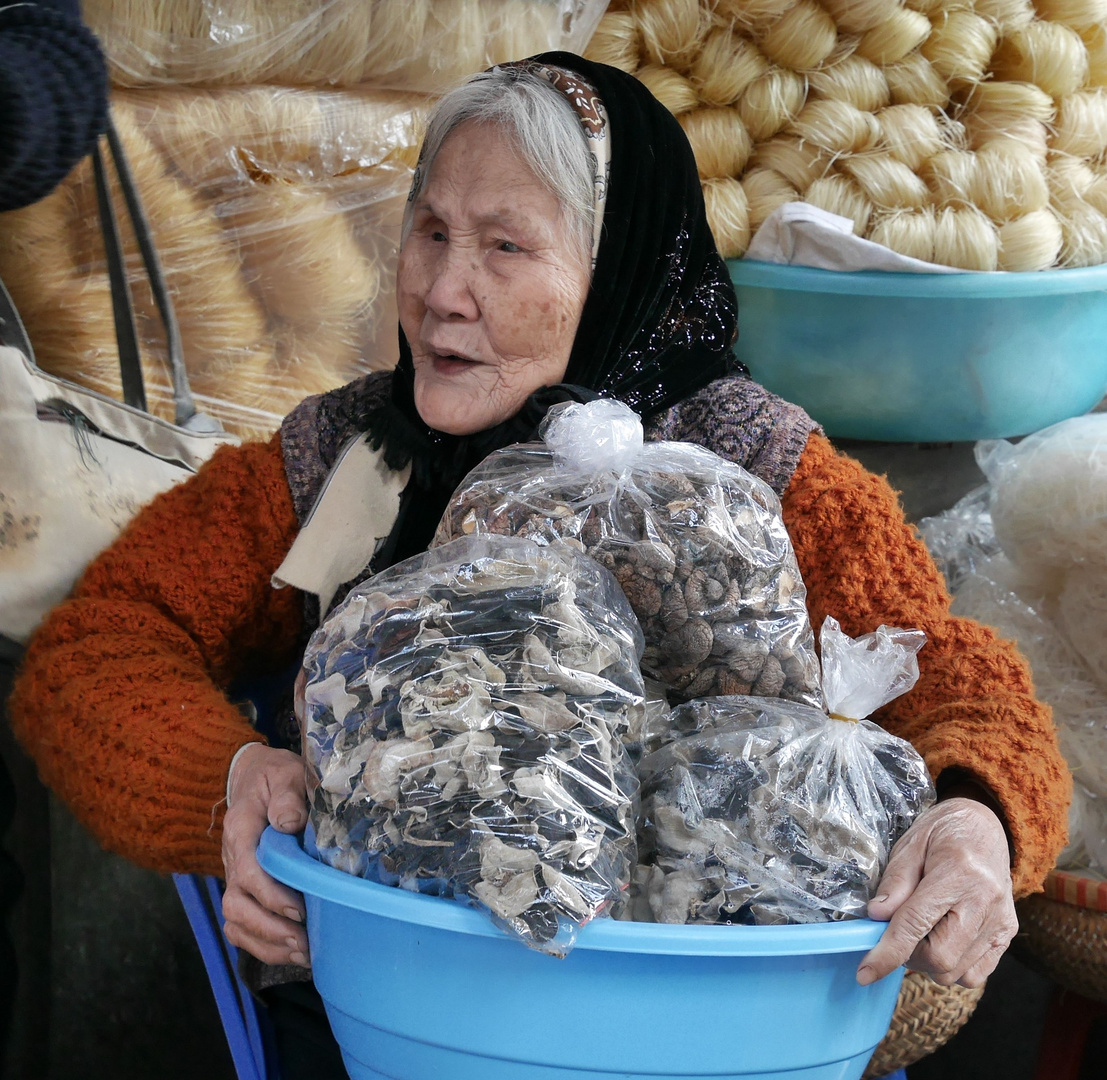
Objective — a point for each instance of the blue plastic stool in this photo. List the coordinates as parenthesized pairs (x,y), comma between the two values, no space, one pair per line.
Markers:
(249,1037)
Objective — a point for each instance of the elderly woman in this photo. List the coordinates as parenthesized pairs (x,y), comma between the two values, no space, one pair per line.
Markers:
(554,247)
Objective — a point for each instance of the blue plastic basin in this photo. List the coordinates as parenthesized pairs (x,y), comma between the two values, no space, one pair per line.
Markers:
(420,988)
(926,357)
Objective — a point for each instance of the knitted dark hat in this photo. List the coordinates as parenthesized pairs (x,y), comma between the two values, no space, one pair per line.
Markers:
(53,97)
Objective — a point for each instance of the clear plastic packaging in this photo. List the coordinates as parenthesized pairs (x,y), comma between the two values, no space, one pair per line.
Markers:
(463,721)
(773,812)
(697,543)
(276,214)
(423,45)
(1049,598)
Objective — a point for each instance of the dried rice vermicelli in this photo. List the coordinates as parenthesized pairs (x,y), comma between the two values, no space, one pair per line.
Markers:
(754,15)
(915,81)
(671,88)
(1084,232)
(1082,614)
(951,177)
(993,108)
(728,215)
(841,195)
(302,258)
(719,140)
(398,31)
(802,38)
(771,102)
(616,42)
(910,232)
(887,183)
(852,79)
(671,30)
(960,45)
(857,16)
(1032,134)
(901,34)
(965,238)
(1008,15)
(1030,242)
(1076,13)
(1008,181)
(147,41)
(836,127)
(726,65)
(801,163)
(1095,41)
(1081,124)
(765,191)
(910,133)
(1050,55)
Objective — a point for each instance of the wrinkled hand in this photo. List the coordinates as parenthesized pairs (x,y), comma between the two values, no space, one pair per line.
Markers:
(947,894)
(262,916)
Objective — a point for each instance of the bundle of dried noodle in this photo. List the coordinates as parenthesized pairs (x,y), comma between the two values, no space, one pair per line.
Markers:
(1008,181)
(915,81)
(719,140)
(803,37)
(765,191)
(965,238)
(1081,125)
(672,89)
(771,102)
(801,163)
(960,45)
(911,133)
(726,66)
(852,79)
(896,38)
(671,30)
(843,196)
(910,232)
(1050,55)
(617,42)
(836,127)
(887,183)
(728,215)
(1030,242)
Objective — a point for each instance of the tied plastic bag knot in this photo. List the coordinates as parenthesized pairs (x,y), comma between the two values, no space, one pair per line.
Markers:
(593,437)
(862,674)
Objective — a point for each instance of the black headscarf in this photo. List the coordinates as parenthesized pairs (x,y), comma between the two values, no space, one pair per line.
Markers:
(657,325)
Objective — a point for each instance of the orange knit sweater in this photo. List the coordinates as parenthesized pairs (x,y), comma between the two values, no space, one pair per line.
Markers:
(121,703)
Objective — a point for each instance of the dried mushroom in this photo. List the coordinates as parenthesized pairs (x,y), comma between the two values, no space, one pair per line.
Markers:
(697,544)
(771,811)
(464,718)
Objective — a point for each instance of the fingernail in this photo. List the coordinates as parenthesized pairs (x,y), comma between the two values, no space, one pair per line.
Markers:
(299,959)
(291,942)
(287,824)
(865,976)
(879,899)
(293,914)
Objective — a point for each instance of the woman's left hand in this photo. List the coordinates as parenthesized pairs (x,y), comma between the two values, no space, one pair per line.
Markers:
(947,894)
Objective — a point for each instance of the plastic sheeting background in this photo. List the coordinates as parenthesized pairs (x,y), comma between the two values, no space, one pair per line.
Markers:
(276,213)
(423,45)
(1028,556)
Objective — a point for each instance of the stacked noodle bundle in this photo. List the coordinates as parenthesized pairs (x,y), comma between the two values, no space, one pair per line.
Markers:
(276,216)
(423,45)
(968,134)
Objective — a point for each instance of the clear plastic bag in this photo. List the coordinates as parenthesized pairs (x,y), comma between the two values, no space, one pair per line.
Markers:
(697,543)
(424,45)
(276,214)
(462,733)
(773,812)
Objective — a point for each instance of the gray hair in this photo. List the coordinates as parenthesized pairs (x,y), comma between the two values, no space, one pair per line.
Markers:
(541,123)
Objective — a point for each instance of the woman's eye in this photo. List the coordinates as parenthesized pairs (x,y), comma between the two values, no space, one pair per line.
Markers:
(507,245)
(438,236)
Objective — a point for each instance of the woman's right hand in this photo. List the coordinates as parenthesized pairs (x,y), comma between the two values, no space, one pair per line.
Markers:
(264,917)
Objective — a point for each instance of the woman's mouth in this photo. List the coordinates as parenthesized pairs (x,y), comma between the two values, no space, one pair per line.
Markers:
(451,363)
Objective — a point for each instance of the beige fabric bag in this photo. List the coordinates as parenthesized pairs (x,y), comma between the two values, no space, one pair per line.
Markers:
(76,466)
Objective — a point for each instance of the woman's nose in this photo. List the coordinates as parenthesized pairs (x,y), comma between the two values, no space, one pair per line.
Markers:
(451,294)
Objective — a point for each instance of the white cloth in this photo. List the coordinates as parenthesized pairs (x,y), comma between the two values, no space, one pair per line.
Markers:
(799,234)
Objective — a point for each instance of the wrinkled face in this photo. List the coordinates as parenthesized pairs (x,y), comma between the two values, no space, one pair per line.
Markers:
(491,284)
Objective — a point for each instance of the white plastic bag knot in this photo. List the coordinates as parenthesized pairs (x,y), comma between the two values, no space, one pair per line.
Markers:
(595,436)
(861,674)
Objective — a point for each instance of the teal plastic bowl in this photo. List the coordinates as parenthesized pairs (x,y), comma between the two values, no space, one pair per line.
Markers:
(926,357)
(421,988)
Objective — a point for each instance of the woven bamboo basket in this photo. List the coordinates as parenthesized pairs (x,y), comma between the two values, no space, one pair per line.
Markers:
(927,1016)
(1063,933)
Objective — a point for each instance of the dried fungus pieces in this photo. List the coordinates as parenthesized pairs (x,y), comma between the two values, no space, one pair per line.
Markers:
(771,811)
(697,543)
(464,718)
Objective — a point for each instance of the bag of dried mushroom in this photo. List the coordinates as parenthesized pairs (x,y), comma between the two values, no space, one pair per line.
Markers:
(697,543)
(774,812)
(462,721)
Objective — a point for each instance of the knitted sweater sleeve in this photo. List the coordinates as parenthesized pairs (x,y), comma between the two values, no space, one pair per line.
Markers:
(120,699)
(973,708)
